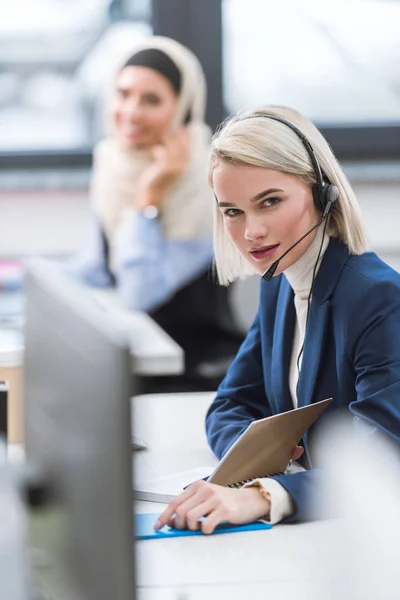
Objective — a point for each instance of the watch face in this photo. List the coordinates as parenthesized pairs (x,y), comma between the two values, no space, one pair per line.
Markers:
(150,212)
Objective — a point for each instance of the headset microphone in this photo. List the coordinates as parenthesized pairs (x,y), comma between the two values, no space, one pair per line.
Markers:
(270,272)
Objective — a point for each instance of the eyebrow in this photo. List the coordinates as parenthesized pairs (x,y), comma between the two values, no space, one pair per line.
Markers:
(123,88)
(255,198)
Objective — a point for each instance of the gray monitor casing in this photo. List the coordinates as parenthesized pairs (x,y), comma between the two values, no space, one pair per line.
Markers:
(77,382)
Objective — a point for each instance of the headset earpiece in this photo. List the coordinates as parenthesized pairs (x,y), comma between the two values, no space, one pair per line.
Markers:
(332,193)
(325,196)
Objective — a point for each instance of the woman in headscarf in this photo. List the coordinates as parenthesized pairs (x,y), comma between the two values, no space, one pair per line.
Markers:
(152,205)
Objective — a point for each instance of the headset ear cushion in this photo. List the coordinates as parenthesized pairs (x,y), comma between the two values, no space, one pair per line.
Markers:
(318,196)
(324,196)
(331,193)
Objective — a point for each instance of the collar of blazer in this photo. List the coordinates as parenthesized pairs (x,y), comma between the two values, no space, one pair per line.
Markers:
(335,258)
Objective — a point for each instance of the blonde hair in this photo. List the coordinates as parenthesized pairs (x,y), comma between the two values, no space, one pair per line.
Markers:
(246,139)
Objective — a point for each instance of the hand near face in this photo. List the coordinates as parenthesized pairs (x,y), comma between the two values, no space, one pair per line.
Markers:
(171,156)
(216,504)
(170,159)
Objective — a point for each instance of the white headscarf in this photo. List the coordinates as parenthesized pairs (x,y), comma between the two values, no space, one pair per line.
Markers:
(186,211)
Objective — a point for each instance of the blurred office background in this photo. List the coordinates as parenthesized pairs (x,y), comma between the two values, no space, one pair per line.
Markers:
(336,62)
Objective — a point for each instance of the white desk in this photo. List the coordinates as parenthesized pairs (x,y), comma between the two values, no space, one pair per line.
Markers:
(283,590)
(288,561)
(153,351)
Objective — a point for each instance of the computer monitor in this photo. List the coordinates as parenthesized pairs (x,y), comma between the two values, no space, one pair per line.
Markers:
(77,382)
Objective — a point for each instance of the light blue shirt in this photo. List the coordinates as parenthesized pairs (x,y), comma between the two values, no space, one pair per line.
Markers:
(148,268)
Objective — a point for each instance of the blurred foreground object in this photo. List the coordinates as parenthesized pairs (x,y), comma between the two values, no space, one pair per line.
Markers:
(13,536)
(362,486)
(77,383)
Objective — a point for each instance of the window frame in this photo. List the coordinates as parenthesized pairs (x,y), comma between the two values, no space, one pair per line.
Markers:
(187,21)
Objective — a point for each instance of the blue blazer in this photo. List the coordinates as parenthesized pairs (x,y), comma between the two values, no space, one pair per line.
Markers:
(351,353)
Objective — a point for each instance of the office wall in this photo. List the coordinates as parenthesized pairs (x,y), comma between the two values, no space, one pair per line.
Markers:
(55,223)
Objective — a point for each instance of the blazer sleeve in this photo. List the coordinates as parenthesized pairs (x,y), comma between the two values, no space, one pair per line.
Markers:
(375,353)
(241,396)
(372,334)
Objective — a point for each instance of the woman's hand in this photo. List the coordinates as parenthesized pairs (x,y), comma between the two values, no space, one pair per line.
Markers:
(297,453)
(216,504)
(170,159)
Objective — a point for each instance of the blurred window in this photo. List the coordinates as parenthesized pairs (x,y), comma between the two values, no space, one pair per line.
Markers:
(54,56)
(338,62)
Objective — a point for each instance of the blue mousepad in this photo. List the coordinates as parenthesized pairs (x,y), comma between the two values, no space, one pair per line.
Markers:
(144,523)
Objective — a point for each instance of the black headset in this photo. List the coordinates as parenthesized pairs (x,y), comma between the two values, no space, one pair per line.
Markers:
(324,193)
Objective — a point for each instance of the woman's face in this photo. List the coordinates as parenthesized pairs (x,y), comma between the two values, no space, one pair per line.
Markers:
(143,107)
(264,213)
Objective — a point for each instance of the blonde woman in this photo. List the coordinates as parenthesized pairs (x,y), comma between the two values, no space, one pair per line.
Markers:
(152,207)
(328,323)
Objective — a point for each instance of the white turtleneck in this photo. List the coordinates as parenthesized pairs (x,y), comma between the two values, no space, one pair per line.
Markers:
(299,277)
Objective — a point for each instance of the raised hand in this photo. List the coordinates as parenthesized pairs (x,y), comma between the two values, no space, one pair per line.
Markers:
(170,161)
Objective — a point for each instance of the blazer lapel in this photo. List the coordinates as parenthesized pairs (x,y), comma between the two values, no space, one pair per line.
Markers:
(328,275)
(282,347)
(313,351)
